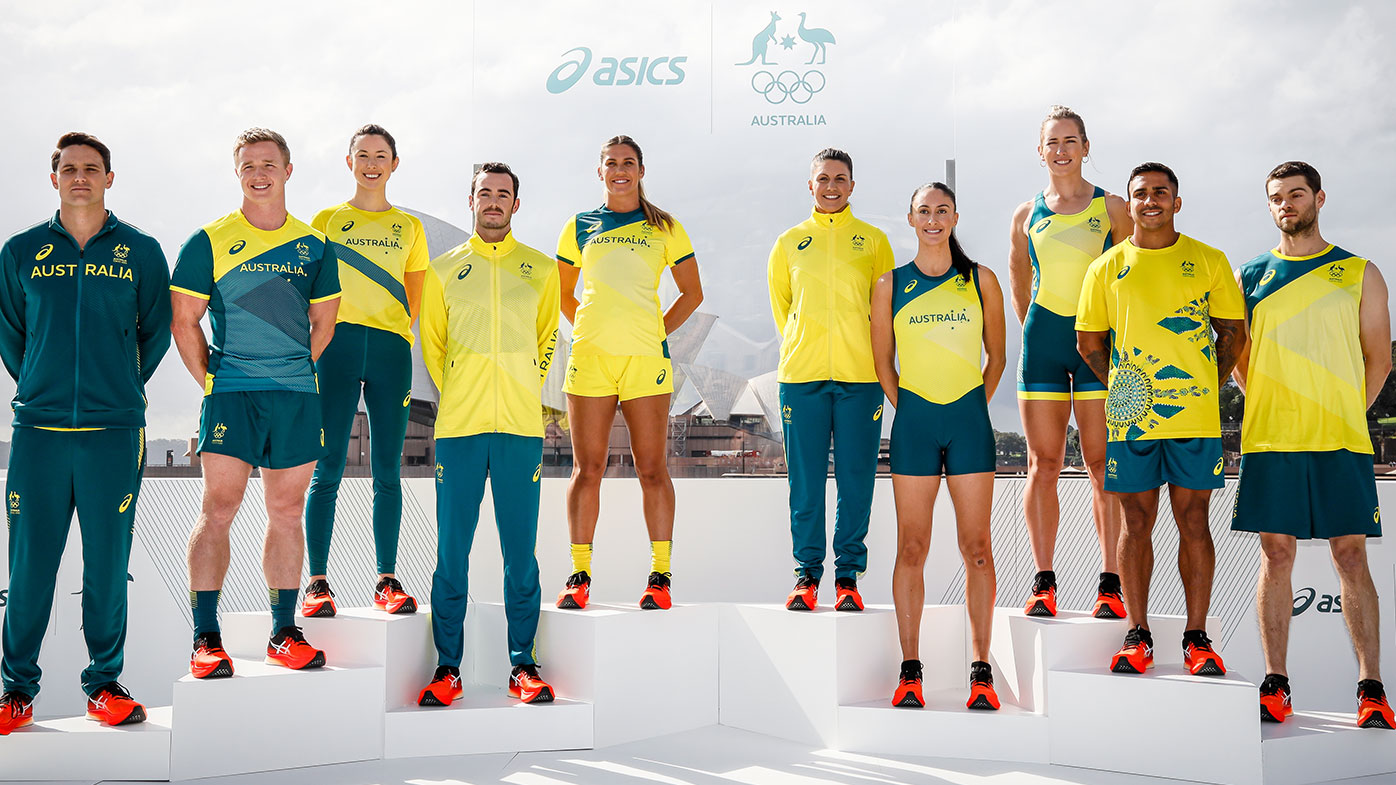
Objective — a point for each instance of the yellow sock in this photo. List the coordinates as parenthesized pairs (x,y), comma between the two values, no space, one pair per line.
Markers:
(660,551)
(581,557)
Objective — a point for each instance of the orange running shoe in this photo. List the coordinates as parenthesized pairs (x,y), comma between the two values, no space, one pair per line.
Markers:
(1137,655)
(846,596)
(389,596)
(319,600)
(981,687)
(908,692)
(526,685)
(1043,601)
(1274,698)
(1109,600)
(577,592)
(656,596)
(805,596)
(112,705)
(289,649)
(16,711)
(445,687)
(209,661)
(1372,708)
(1199,656)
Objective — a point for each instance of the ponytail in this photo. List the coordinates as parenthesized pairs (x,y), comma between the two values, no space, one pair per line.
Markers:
(660,219)
(958,258)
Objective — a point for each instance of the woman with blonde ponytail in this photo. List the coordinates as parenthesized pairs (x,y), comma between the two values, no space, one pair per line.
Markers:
(620,354)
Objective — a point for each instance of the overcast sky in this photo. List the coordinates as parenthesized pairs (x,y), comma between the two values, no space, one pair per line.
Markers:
(1220,91)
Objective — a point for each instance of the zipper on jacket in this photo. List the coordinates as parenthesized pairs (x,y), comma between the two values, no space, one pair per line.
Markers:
(495,333)
(77,334)
(829,299)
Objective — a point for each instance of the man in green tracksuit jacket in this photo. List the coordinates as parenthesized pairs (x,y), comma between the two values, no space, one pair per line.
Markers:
(84,321)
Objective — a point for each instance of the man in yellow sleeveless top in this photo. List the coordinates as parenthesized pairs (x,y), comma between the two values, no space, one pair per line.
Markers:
(1145,321)
(821,274)
(1320,353)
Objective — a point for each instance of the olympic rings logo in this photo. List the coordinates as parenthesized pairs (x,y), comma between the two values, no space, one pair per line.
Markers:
(776,88)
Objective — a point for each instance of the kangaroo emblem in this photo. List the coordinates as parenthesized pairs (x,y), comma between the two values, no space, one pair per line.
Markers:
(762,39)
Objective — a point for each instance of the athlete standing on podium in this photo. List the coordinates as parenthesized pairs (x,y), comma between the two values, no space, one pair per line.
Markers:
(383,257)
(821,273)
(1144,323)
(84,321)
(489,325)
(270,286)
(1053,239)
(620,352)
(1320,354)
(941,316)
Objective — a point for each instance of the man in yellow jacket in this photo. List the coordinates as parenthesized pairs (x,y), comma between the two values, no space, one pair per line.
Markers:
(490,310)
(821,274)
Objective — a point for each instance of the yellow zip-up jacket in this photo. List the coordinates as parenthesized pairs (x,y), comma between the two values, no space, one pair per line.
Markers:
(821,273)
(489,325)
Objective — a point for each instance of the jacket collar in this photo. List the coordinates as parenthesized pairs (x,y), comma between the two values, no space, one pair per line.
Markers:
(833,220)
(500,248)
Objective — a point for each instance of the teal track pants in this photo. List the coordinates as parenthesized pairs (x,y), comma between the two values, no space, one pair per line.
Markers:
(513,464)
(849,413)
(379,364)
(51,475)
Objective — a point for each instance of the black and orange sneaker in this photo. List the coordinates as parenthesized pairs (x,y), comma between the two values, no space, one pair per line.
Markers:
(1199,656)
(1137,655)
(577,592)
(1275,698)
(908,692)
(319,600)
(981,687)
(805,595)
(846,596)
(445,687)
(209,660)
(388,596)
(656,596)
(111,704)
(16,711)
(289,649)
(1043,601)
(1372,708)
(526,685)
(1109,600)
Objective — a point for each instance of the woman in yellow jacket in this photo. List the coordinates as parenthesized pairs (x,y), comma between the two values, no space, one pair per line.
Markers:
(620,353)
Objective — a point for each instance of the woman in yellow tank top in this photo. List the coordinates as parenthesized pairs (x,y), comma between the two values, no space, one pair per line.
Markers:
(941,317)
(1052,239)
(620,353)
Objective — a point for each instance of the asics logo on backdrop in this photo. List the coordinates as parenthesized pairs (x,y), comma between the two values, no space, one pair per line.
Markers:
(615,71)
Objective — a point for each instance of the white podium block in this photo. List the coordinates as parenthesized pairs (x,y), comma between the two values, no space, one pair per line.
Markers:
(945,729)
(1164,723)
(485,720)
(785,673)
(76,748)
(355,636)
(258,719)
(1322,747)
(645,673)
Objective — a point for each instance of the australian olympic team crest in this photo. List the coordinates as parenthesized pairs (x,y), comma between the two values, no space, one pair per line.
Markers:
(788,59)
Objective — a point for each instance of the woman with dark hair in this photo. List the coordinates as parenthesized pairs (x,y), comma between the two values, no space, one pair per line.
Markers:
(620,354)
(941,318)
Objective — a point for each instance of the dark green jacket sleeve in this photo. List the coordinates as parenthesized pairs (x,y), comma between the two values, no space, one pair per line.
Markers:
(153,304)
(11,313)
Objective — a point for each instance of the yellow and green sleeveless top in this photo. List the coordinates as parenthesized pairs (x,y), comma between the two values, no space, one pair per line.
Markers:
(376,250)
(938,323)
(1306,383)
(1061,247)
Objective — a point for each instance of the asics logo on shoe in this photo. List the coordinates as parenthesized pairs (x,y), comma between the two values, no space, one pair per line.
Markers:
(283,647)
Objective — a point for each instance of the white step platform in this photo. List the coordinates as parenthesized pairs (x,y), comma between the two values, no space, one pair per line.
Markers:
(267,717)
(354,636)
(645,673)
(1165,723)
(1025,648)
(945,729)
(1312,747)
(76,748)
(486,720)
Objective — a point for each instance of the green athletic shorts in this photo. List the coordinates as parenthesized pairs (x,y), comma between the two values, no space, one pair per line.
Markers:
(1308,495)
(1141,465)
(277,429)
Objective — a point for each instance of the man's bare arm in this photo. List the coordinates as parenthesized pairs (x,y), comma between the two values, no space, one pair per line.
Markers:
(1231,342)
(1094,348)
